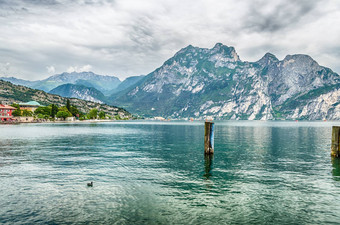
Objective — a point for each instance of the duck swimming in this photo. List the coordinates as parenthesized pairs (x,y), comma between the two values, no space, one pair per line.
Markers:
(90,184)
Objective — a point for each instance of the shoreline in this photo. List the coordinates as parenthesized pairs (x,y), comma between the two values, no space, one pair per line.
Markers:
(75,121)
(108,120)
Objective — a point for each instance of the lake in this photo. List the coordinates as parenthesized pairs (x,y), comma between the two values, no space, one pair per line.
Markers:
(148,172)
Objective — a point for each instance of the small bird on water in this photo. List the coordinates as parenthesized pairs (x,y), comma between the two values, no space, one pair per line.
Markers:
(90,184)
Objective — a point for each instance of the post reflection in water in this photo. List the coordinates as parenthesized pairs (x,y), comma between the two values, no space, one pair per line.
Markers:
(208,162)
(336,169)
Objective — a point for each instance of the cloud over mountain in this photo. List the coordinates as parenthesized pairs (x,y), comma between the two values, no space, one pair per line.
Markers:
(130,37)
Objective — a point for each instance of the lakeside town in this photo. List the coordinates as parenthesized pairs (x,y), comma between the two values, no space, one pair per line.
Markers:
(34,112)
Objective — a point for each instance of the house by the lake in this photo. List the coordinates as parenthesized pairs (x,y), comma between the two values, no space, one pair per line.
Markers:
(31,106)
(6,112)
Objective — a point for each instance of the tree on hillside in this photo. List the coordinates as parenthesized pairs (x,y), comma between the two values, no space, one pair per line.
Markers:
(74,110)
(93,113)
(63,114)
(68,105)
(44,110)
(54,110)
(64,108)
(15,105)
(17,112)
(101,115)
(26,112)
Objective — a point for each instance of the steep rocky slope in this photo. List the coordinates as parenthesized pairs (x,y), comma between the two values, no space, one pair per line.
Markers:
(200,82)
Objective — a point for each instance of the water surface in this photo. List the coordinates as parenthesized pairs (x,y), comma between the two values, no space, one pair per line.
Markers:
(156,173)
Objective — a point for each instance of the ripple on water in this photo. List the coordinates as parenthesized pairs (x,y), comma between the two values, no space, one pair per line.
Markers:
(155,173)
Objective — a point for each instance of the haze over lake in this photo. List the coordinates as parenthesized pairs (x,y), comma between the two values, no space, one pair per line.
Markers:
(155,173)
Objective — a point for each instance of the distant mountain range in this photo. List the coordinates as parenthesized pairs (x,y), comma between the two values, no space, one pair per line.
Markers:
(84,85)
(200,83)
(102,83)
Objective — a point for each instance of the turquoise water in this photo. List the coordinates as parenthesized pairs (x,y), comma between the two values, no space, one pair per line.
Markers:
(156,173)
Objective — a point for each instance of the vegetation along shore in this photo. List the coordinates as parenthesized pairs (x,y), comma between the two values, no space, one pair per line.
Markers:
(44,107)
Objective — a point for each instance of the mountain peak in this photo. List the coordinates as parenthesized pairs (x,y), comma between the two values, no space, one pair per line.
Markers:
(218,45)
(270,56)
(267,59)
(227,51)
(298,57)
(75,73)
(301,60)
(189,48)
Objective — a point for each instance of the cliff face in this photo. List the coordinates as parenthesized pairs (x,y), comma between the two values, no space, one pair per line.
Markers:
(199,82)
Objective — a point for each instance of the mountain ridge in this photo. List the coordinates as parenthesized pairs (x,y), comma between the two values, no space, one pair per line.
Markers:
(103,83)
(202,82)
(216,83)
(107,85)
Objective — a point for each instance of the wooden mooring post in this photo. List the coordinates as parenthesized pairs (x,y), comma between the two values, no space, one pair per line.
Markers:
(335,141)
(209,138)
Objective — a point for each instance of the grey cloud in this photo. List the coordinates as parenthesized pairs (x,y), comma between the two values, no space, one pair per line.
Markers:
(20,7)
(284,14)
(20,3)
(141,33)
(43,2)
(94,2)
(8,2)
(131,37)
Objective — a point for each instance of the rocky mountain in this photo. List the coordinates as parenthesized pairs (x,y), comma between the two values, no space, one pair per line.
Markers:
(15,93)
(85,85)
(128,82)
(18,81)
(79,91)
(100,82)
(105,84)
(200,82)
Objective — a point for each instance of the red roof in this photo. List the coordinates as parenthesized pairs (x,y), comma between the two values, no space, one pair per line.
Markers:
(6,107)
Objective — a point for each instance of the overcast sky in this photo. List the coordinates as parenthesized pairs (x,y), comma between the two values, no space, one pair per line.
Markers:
(39,38)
